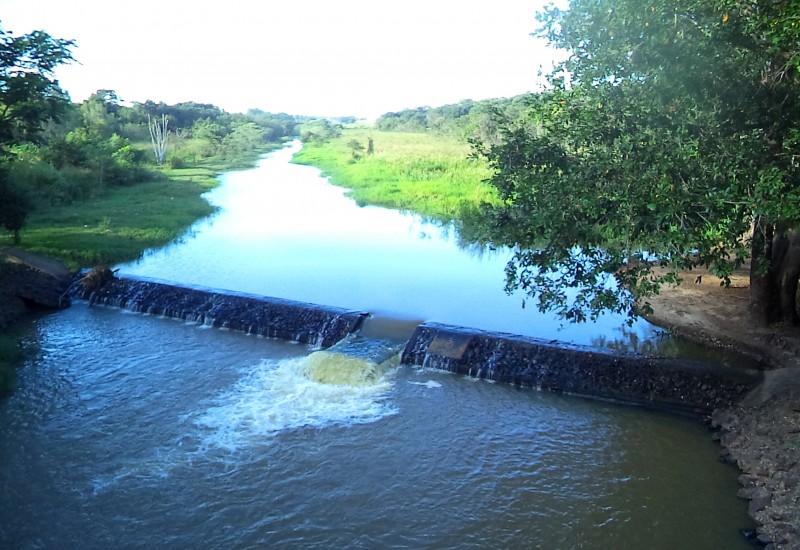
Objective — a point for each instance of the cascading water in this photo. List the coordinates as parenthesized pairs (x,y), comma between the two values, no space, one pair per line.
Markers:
(355,361)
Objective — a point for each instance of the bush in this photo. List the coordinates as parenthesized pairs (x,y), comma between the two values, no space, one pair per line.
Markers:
(176,161)
(82,183)
(42,181)
(15,205)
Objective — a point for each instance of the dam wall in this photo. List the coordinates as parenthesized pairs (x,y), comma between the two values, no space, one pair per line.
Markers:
(312,324)
(673,384)
(678,385)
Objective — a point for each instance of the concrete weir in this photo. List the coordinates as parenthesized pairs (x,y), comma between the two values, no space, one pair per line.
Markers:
(673,384)
(271,317)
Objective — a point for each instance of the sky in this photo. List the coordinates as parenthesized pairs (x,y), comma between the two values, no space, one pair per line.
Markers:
(357,58)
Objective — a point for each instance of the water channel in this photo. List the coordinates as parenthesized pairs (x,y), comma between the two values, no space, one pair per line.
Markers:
(135,431)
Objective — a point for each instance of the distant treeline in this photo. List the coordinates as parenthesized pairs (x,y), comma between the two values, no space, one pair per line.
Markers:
(463,120)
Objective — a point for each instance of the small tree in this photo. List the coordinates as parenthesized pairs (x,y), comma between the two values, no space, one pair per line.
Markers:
(158,137)
(356,148)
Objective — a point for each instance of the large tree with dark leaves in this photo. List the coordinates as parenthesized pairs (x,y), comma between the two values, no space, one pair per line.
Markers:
(29,97)
(670,139)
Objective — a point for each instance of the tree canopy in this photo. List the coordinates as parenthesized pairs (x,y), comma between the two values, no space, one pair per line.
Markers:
(29,97)
(29,93)
(668,140)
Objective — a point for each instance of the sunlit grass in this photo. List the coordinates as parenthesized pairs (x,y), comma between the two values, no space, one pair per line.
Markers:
(117,226)
(429,174)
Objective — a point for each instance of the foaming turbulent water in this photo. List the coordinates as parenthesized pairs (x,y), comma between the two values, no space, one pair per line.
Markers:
(132,431)
(301,392)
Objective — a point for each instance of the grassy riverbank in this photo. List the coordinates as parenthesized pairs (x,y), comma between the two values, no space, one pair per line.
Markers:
(429,174)
(120,224)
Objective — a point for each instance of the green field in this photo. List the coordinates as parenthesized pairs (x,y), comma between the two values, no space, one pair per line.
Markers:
(425,173)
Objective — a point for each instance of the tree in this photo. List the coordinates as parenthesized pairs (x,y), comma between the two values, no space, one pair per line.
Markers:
(14,208)
(159,135)
(29,97)
(667,141)
(100,113)
(356,149)
(29,92)
(242,138)
(319,131)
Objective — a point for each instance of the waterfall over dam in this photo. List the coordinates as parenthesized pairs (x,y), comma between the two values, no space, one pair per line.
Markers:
(674,384)
(312,324)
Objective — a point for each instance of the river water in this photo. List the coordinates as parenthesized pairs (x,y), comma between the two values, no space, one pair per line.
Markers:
(135,431)
(284,231)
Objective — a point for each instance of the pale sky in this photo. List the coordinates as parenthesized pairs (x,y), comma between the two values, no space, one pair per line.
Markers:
(303,57)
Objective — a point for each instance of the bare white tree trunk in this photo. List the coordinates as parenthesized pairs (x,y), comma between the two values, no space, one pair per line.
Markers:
(158,137)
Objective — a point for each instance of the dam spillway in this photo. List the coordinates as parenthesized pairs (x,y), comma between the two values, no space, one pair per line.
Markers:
(312,324)
(674,384)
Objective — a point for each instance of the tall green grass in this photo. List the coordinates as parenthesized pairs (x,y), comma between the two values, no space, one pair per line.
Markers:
(425,173)
(120,223)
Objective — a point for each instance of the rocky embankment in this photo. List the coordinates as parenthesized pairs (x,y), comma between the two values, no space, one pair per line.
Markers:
(761,433)
(29,282)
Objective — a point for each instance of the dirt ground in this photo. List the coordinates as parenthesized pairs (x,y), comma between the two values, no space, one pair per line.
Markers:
(761,435)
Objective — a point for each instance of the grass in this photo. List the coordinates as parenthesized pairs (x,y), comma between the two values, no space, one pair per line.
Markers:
(123,222)
(428,174)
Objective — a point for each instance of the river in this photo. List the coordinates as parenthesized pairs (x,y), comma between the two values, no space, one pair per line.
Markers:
(135,431)
(284,231)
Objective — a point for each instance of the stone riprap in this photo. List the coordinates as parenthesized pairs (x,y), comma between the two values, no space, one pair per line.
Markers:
(312,324)
(673,384)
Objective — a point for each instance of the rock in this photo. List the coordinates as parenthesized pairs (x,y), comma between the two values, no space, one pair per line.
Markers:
(759,502)
(726,458)
(29,281)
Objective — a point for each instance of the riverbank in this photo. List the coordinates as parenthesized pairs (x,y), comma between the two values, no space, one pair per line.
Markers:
(122,223)
(761,434)
(431,175)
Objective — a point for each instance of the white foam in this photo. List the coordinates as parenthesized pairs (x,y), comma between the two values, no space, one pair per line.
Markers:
(277,395)
(429,384)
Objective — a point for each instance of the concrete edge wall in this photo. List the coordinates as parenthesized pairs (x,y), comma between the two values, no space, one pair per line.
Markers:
(271,317)
(672,384)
